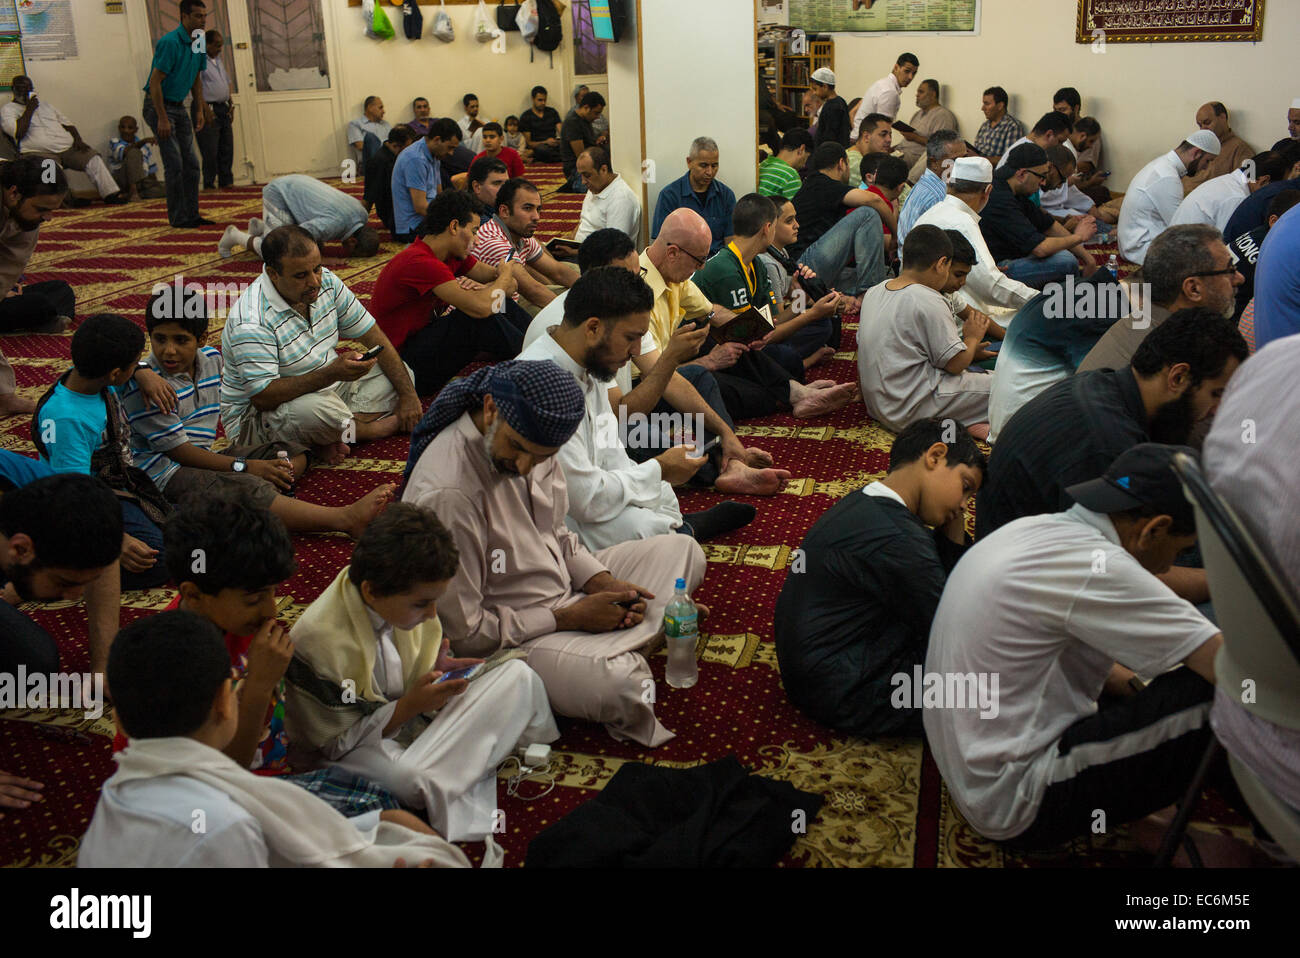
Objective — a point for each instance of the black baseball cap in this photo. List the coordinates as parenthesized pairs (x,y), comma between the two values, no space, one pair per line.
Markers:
(1023,157)
(1141,477)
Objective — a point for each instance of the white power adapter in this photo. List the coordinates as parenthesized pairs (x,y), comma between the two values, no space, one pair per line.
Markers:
(535,755)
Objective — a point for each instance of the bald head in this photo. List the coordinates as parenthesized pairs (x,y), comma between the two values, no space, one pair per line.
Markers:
(682,245)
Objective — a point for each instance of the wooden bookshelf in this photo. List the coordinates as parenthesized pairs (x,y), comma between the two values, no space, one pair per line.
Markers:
(794,70)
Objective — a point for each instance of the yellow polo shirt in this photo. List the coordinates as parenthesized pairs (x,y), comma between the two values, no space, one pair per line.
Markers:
(673,303)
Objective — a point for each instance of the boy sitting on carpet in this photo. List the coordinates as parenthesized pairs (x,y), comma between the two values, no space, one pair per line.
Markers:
(912,364)
(175,447)
(177,801)
(860,613)
(964,258)
(79,426)
(365,689)
(226,559)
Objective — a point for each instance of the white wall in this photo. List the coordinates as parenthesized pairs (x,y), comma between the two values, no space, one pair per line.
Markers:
(1145,95)
(700,80)
(624,110)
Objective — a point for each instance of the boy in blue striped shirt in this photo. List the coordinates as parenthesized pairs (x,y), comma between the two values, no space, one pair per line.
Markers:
(175,448)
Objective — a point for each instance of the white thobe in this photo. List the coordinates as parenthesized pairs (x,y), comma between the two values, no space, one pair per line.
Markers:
(1149,206)
(1214,201)
(449,767)
(552,314)
(612,499)
(987,288)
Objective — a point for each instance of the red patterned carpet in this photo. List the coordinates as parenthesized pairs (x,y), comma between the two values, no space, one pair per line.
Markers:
(884,802)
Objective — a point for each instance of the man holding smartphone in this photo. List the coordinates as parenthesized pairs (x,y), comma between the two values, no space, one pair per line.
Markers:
(284,380)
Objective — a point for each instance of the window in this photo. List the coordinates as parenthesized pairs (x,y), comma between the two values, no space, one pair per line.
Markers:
(288,45)
(164,17)
(588,53)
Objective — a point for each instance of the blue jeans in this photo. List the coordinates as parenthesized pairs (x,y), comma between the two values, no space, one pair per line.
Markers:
(180,162)
(859,237)
(135,523)
(1037,273)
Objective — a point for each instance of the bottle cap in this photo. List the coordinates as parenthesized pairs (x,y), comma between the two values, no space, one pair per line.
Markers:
(681,583)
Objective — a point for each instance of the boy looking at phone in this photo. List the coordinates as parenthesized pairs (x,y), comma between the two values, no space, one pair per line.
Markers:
(364,690)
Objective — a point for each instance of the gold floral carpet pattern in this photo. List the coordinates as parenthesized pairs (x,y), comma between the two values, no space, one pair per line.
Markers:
(884,802)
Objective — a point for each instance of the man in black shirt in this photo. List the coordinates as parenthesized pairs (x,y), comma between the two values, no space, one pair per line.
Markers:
(828,238)
(379,175)
(860,612)
(1026,242)
(576,134)
(1073,431)
(540,127)
(833,125)
(1245,248)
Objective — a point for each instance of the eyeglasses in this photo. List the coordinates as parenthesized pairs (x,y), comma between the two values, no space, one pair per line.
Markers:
(1218,272)
(688,253)
(1042,177)
(643,271)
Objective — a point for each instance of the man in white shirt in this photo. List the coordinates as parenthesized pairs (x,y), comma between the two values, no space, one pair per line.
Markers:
(668,387)
(609,202)
(1155,193)
(987,288)
(471,125)
(217,140)
(39,129)
(1037,758)
(1215,200)
(886,94)
(613,499)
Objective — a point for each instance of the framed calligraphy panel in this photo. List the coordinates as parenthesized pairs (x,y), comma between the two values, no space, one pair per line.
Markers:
(1155,21)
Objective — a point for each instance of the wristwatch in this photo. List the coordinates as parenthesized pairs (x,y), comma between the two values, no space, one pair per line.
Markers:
(239,465)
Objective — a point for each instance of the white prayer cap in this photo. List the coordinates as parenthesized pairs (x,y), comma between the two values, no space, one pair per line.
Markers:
(1295,104)
(973,169)
(824,75)
(1205,140)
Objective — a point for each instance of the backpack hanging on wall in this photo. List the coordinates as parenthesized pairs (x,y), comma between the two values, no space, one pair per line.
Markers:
(506,13)
(412,20)
(550,29)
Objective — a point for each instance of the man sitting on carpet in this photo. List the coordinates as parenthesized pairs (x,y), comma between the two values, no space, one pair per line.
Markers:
(418,176)
(609,202)
(483,459)
(173,695)
(437,324)
(1154,195)
(329,215)
(859,615)
(40,130)
(779,175)
(283,380)
(811,327)
(133,162)
(367,133)
(1063,734)
(378,193)
(27,196)
(753,384)
(700,191)
(613,499)
(508,237)
(912,363)
(373,686)
(941,151)
(540,126)
(667,387)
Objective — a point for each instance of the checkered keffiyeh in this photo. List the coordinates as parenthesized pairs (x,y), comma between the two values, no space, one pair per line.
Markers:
(539,400)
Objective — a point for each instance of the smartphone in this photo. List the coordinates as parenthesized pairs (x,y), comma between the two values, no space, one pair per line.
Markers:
(373,351)
(466,673)
(700,454)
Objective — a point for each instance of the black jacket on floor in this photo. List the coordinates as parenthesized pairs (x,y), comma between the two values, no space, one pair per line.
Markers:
(712,816)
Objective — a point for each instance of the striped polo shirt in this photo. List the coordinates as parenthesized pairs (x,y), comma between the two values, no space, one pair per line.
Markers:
(153,433)
(266,339)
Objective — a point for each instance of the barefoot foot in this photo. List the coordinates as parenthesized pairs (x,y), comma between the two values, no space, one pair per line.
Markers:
(739,479)
(332,454)
(816,359)
(820,401)
(364,510)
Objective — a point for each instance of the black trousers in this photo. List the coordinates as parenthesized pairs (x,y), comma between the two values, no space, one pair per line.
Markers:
(707,386)
(442,349)
(217,146)
(37,306)
(823,332)
(547,154)
(1144,750)
(757,385)
(23,642)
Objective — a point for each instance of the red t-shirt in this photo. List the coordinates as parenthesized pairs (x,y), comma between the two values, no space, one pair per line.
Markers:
(403,300)
(271,755)
(872,189)
(514,164)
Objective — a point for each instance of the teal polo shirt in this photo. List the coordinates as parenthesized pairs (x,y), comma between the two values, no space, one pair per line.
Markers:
(175,57)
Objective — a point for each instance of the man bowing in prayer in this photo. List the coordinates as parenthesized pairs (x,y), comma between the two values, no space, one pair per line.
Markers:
(483,459)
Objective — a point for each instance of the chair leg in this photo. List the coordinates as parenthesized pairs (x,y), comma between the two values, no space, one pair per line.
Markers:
(1177,830)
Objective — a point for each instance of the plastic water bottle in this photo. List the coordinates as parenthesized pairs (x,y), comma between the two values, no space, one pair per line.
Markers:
(682,630)
(1112,264)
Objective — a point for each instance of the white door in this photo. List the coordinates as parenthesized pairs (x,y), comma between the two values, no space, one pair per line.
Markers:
(288,102)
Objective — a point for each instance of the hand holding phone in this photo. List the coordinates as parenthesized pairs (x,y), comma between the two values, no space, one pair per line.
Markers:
(373,351)
(466,673)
